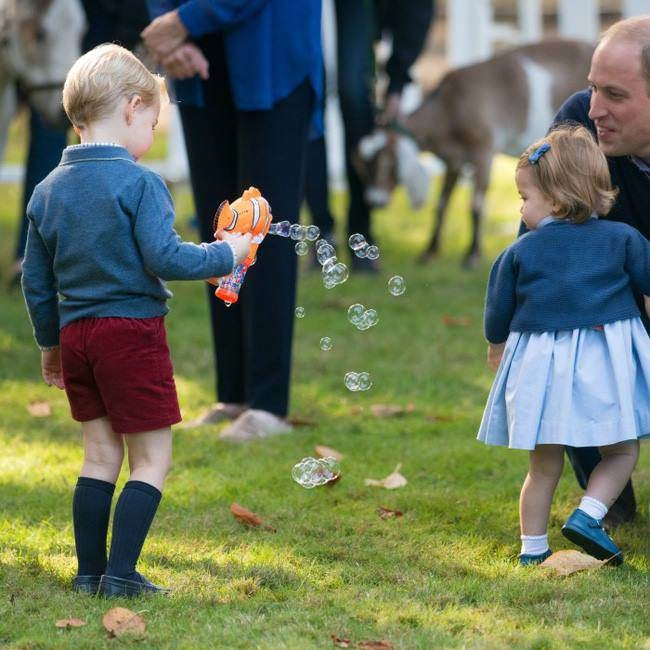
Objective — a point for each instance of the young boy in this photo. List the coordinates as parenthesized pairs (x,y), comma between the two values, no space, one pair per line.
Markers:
(101,241)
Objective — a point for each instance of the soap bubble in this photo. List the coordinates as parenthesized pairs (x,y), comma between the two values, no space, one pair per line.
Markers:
(396,285)
(328,281)
(325,252)
(371,317)
(326,343)
(295,231)
(340,273)
(361,252)
(301,248)
(328,265)
(364,381)
(300,312)
(312,233)
(312,472)
(357,242)
(351,381)
(355,312)
(280,228)
(372,252)
(321,242)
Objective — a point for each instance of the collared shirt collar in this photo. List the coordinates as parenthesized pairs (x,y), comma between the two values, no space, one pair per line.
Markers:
(641,164)
(95,151)
(551,219)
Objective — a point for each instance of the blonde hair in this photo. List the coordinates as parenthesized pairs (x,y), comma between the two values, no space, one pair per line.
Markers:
(573,173)
(99,79)
(634,30)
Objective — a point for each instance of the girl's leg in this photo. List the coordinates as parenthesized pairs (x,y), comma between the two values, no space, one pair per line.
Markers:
(545,469)
(91,503)
(612,473)
(584,526)
(150,455)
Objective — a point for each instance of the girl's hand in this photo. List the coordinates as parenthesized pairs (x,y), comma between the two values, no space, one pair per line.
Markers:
(51,367)
(494,354)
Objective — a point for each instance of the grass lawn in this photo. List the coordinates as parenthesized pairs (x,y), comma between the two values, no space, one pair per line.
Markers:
(443,575)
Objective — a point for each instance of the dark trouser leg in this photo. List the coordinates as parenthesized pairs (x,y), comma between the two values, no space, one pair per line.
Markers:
(317,186)
(44,154)
(272,156)
(355,25)
(583,460)
(210,138)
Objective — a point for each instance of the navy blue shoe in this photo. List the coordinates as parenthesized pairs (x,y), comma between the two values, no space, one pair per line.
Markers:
(589,534)
(526,559)
(86,584)
(112,587)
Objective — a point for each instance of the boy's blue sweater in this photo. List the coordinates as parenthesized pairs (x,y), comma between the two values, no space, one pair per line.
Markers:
(566,276)
(101,241)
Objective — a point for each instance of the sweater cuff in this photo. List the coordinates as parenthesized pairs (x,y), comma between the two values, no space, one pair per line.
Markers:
(234,255)
(197,17)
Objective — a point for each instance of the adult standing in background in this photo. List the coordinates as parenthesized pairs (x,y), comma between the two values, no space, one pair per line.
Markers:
(359,23)
(248,80)
(616,109)
(106,21)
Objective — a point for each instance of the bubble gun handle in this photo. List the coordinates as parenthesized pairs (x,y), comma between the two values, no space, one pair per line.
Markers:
(249,213)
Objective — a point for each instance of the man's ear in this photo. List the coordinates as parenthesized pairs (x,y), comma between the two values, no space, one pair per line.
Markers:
(132,105)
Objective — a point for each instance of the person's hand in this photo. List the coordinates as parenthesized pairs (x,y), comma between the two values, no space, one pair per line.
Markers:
(163,35)
(494,354)
(186,61)
(240,243)
(51,367)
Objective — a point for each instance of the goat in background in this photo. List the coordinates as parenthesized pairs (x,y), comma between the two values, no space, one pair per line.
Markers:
(500,105)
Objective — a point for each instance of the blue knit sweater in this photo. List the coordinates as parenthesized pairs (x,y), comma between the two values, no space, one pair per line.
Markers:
(566,276)
(101,241)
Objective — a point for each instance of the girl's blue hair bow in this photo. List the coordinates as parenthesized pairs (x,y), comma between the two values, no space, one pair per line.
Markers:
(534,157)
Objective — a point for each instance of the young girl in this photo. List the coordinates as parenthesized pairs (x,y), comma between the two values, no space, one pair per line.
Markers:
(575,366)
(101,241)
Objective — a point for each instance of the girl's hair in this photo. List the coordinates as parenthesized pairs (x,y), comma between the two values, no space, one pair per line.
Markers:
(99,79)
(572,172)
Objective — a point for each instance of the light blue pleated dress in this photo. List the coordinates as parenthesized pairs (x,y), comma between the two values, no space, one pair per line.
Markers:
(585,387)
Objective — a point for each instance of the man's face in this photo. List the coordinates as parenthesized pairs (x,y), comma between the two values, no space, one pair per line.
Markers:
(620,106)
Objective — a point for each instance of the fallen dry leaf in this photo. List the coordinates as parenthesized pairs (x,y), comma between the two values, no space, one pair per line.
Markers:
(456,321)
(324,452)
(391,410)
(439,418)
(119,621)
(387,513)
(392,481)
(565,563)
(67,623)
(339,642)
(298,421)
(375,645)
(248,517)
(39,409)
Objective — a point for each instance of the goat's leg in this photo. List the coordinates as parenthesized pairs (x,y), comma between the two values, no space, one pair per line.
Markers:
(449,182)
(482,169)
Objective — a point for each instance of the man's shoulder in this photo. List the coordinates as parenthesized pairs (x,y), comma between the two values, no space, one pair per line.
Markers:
(575,110)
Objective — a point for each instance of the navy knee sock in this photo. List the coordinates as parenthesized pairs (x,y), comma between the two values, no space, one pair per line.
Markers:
(134,513)
(91,509)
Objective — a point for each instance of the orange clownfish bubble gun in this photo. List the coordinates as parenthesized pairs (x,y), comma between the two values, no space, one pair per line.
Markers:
(251,213)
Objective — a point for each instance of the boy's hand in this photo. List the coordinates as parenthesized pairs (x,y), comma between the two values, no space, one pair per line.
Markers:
(51,367)
(240,243)
(494,354)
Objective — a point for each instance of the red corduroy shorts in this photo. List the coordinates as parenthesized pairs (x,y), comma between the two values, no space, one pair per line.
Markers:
(120,368)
